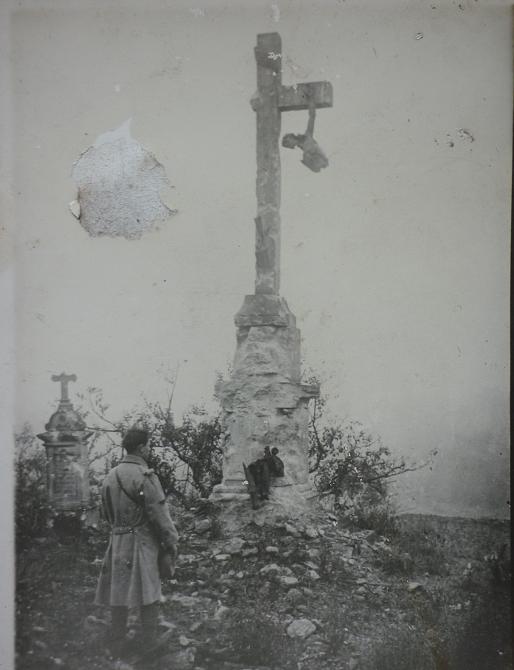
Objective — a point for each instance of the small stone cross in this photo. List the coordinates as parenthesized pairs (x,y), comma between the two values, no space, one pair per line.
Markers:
(64,379)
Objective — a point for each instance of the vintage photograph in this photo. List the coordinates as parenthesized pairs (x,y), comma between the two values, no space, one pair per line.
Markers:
(259,279)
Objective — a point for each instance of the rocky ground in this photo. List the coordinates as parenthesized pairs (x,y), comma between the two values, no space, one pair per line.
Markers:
(431,593)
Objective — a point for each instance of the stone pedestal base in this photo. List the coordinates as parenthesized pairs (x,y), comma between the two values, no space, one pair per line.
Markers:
(65,441)
(265,404)
(278,493)
(295,502)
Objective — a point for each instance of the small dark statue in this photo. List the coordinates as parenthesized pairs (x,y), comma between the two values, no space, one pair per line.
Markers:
(258,475)
(313,156)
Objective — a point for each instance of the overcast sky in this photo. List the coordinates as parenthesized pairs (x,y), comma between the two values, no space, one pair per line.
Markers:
(395,259)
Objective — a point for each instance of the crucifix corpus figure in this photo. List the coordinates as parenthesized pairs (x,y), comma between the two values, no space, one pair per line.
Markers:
(270,100)
(313,156)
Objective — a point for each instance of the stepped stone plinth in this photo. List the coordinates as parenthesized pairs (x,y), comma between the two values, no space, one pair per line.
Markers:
(264,403)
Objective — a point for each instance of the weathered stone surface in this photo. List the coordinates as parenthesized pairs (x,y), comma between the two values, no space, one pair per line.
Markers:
(221,557)
(235,546)
(92,626)
(311,565)
(301,628)
(251,551)
(287,581)
(118,664)
(291,530)
(65,440)
(264,310)
(311,533)
(179,660)
(294,596)
(312,575)
(185,601)
(202,525)
(265,404)
(221,612)
(187,559)
(299,96)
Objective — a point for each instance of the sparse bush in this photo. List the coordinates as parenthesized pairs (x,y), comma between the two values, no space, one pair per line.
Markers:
(32,506)
(186,456)
(377,515)
(396,563)
(347,462)
(353,468)
(426,554)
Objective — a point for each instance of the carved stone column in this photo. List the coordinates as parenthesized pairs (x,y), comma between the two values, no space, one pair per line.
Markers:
(65,441)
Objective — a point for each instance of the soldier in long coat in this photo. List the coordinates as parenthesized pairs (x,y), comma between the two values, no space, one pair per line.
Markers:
(143,536)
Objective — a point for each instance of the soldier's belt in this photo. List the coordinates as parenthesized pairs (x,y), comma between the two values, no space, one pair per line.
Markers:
(123,530)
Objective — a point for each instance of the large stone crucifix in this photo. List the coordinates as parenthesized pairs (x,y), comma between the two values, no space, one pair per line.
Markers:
(265,402)
(270,100)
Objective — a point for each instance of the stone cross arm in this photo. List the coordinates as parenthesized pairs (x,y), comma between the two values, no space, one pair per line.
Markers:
(268,54)
(301,96)
(64,379)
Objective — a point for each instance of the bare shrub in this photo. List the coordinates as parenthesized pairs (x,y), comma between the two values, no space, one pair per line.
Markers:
(32,505)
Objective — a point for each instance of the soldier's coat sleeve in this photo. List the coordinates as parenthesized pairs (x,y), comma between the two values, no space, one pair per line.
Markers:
(158,512)
(107,505)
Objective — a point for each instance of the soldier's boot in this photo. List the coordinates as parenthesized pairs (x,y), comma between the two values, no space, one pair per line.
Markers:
(265,482)
(254,500)
(153,642)
(116,635)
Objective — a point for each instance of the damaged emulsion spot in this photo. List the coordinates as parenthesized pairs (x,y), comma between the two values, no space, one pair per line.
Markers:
(119,185)
(465,135)
(462,134)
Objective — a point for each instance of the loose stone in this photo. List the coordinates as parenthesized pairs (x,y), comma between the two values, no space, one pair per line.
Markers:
(301,628)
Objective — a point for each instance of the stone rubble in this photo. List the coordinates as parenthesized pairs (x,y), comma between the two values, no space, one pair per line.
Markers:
(301,628)
(203,525)
(284,554)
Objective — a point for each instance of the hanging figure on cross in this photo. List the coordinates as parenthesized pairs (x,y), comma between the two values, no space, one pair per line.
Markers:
(313,156)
